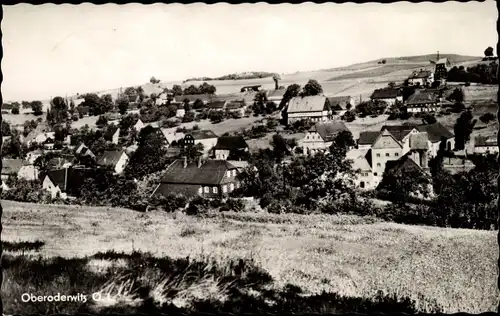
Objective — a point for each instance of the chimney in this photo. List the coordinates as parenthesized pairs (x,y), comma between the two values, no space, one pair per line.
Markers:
(438,56)
(185,161)
(199,162)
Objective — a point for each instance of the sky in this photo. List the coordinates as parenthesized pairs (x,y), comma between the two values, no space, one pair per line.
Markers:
(64,49)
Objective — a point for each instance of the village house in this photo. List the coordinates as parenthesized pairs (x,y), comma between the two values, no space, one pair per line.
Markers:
(133,108)
(254,88)
(227,146)
(83,151)
(423,101)
(217,105)
(205,178)
(112,134)
(66,182)
(320,137)
(366,139)
(38,135)
(456,165)
(11,167)
(441,68)
(205,137)
(421,78)
(33,155)
(276,96)
(236,106)
(360,164)
(161,99)
(339,104)
(312,108)
(64,161)
(388,95)
(483,145)
(172,136)
(116,159)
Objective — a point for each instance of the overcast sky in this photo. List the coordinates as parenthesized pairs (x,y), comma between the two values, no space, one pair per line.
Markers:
(57,49)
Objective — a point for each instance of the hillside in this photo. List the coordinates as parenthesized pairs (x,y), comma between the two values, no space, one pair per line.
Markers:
(236,76)
(354,256)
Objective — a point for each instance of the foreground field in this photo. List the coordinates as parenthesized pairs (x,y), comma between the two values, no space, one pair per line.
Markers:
(349,255)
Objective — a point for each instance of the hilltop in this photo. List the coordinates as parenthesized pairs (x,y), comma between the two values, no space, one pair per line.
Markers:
(235,76)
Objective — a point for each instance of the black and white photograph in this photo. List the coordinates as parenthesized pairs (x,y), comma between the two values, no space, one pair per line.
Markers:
(249,158)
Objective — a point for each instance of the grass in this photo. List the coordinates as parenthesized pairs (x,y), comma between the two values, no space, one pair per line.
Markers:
(348,255)
(378,71)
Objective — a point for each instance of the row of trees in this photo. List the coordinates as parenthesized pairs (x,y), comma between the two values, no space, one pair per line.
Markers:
(481,73)
(204,88)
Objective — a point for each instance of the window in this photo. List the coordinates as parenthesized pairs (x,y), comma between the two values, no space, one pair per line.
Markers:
(375,174)
(224,189)
(387,154)
(396,154)
(378,155)
(234,173)
(207,189)
(237,184)
(362,184)
(378,164)
(214,190)
(228,173)
(307,137)
(231,187)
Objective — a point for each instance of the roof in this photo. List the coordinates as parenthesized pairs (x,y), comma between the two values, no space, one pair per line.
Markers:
(216,104)
(72,181)
(422,97)
(173,151)
(386,93)
(358,157)
(166,189)
(420,74)
(443,61)
(329,130)
(231,142)
(419,141)
(41,128)
(83,109)
(202,134)
(435,131)
(172,136)
(482,141)
(254,86)
(58,177)
(314,103)
(339,100)
(193,97)
(399,131)
(239,164)
(11,166)
(110,158)
(231,105)
(211,172)
(368,137)
(59,162)
(276,93)
(454,161)
(404,163)
(112,129)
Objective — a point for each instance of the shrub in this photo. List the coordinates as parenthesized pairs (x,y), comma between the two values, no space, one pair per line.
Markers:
(198,206)
(235,205)
(487,117)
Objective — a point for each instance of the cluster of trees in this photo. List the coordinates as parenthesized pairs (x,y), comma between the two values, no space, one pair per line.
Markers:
(262,106)
(204,88)
(481,73)
(98,105)
(370,107)
(248,75)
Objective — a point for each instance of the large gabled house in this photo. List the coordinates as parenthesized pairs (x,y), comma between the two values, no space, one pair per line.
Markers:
(320,137)
(115,159)
(276,96)
(388,95)
(229,145)
(38,135)
(66,182)
(314,108)
(484,145)
(339,104)
(360,159)
(205,137)
(206,178)
(423,101)
(421,78)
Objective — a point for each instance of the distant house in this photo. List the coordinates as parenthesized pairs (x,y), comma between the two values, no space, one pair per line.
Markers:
(133,108)
(441,70)
(33,155)
(483,145)
(38,135)
(312,108)
(422,101)
(236,106)
(360,163)
(205,137)
(455,165)
(276,96)
(112,134)
(11,167)
(421,78)
(206,178)
(67,181)
(83,110)
(64,161)
(172,136)
(341,103)
(162,99)
(253,88)
(138,125)
(366,139)
(83,151)
(217,105)
(388,95)
(227,145)
(49,143)
(116,159)
(320,137)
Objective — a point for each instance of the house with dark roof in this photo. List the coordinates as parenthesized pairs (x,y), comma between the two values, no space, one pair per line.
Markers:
(276,96)
(388,95)
(341,102)
(253,88)
(205,137)
(421,78)
(227,145)
(63,161)
(217,105)
(320,137)
(206,178)
(66,182)
(312,108)
(423,101)
(83,151)
(112,134)
(366,139)
(115,159)
(484,145)
(11,167)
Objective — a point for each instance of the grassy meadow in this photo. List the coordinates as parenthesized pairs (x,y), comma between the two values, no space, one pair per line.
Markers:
(348,255)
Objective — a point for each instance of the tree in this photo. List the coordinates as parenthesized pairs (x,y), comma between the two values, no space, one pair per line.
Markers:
(188,117)
(176,90)
(487,117)
(428,119)
(130,91)
(96,105)
(311,88)
(344,139)
(153,80)
(457,96)
(488,52)
(463,129)
(280,147)
(206,88)
(391,84)
(101,121)
(384,61)
(37,107)
(292,91)
(192,89)
(123,104)
(198,104)
(106,103)
(15,110)
(276,79)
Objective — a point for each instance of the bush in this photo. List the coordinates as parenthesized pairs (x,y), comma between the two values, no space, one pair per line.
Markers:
(235,205)
(487,117)
(198,206)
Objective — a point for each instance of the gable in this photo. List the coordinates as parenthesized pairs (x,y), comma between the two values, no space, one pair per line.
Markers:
(385,141)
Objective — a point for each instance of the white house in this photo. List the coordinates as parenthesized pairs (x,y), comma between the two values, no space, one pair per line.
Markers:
(388,95)
(483,145)
(320,136)
(421,78)
(51,186)
(116,159)
(364,178)
(423,101)
(313,108)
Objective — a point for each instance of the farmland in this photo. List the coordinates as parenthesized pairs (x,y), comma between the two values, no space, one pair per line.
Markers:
(349,255)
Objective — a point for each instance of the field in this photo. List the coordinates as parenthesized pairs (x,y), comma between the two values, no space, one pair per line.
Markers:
(349,255)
